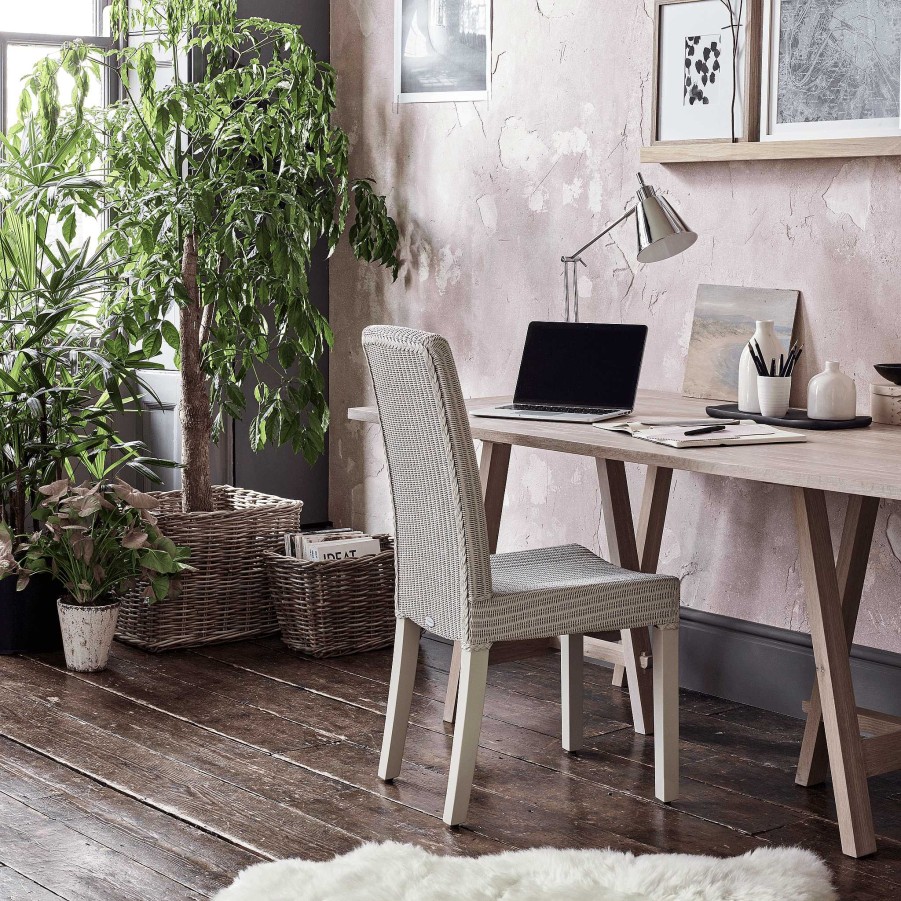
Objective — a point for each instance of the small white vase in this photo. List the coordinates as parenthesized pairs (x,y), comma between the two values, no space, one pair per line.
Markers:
(773,394)
(831,394)
(770,347)
(87,635)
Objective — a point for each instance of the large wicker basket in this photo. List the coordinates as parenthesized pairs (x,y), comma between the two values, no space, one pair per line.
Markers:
(335,607)
(227,597)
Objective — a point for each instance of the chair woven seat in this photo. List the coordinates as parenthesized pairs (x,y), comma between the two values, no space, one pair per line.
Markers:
(569,590)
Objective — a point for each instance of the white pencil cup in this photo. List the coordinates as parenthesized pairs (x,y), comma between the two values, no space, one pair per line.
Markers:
(773,393)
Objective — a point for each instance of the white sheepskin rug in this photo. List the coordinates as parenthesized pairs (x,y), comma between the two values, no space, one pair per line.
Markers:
(395,872)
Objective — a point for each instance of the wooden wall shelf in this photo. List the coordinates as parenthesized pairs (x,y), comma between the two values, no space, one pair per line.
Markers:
(716,152)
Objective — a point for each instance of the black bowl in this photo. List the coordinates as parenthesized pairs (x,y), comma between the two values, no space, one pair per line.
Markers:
(890,371)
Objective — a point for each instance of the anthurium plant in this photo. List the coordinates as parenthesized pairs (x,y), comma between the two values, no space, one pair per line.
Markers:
(98,540)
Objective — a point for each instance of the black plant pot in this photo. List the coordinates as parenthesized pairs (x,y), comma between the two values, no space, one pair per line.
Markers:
(28,618)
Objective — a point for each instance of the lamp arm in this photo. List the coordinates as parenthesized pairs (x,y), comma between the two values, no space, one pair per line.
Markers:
(594,240)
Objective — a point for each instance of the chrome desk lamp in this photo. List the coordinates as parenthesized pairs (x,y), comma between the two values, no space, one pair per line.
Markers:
(661,234)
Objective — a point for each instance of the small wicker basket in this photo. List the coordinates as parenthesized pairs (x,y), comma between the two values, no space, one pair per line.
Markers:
(334,607)
(226,597)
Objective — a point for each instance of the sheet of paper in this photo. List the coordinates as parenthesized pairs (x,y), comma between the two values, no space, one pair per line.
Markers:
(677,433)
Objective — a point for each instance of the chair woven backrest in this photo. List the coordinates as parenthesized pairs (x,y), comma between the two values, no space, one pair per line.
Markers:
(443,562)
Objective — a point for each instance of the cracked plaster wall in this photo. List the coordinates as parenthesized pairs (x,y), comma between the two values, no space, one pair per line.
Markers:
(488,196)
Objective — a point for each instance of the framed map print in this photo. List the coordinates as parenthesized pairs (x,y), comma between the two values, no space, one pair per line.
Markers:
(442,50)
(831,69)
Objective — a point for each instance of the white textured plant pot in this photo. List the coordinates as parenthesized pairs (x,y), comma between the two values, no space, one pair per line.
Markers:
(885,404)
(773,394)
(831,394)
(770,347)
(87,635)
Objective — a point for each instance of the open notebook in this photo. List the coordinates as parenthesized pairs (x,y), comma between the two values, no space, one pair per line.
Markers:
(672,433)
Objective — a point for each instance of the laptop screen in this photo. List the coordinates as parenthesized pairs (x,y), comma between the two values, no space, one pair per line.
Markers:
(581,364)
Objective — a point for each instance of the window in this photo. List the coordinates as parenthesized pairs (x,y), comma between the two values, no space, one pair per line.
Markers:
(33,29)
(30,30)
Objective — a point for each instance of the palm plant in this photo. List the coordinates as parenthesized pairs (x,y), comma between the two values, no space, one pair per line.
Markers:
(223,186)
(65,367)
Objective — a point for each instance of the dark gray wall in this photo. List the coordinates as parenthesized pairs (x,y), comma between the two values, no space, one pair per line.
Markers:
(311,15)
(279,470)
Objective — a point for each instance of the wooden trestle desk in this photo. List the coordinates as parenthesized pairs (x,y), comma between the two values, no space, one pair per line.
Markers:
(864,465)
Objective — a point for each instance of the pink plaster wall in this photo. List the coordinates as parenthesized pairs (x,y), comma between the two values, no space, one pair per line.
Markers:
(488,196)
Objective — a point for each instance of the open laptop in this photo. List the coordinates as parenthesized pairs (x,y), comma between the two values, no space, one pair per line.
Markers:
(576,372)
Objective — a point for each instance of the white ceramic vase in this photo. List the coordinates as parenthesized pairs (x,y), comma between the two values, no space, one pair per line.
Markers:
(770,347)
(773,394)
(831,394)
(87,635)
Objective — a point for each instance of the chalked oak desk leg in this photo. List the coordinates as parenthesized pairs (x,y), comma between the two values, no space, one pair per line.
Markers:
(640,554)
(853,555)
(836,692)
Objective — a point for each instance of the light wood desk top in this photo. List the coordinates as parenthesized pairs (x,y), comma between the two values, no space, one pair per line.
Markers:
(852,461)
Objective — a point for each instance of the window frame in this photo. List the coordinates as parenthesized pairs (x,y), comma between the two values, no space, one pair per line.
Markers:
(110,87)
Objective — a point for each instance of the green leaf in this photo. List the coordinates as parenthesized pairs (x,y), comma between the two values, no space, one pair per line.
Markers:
(170,334)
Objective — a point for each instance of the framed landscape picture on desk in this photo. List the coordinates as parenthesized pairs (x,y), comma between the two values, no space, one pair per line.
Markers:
(724,321)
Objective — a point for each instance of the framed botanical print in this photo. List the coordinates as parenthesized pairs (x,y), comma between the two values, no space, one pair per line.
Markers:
(705,79)
(831,69)
(442,50)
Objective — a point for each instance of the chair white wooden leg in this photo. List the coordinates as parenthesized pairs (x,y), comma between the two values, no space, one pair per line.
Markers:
(666,713)
(572,655)
(619,675)
(400,698)
(470,706)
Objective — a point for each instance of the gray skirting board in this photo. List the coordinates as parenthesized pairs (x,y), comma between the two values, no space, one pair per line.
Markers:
(773,668)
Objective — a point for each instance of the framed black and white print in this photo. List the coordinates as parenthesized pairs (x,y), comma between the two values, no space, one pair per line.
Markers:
(706,70)
(831,69)
(442,50)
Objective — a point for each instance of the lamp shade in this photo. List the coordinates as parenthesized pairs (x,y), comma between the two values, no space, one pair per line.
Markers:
(661,232)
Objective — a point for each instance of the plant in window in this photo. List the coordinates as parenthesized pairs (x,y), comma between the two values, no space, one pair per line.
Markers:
(223,185)
(65,365)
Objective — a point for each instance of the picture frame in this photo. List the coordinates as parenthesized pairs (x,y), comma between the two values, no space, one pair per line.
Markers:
(723,322)
(675,119)
(837,58)
(442,50)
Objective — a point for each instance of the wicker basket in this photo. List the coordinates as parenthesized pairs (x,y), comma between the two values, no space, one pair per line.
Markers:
(335,607)
(227,597)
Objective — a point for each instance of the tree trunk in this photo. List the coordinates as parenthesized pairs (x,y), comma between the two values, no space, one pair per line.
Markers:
(194,411)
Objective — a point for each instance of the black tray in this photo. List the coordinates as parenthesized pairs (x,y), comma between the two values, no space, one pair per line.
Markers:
(794,419)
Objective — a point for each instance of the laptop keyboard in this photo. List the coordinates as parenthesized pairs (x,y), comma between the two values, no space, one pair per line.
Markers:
(550,408)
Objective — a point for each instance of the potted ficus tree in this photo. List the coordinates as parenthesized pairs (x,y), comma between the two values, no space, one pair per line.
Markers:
(96,540)
(225,180)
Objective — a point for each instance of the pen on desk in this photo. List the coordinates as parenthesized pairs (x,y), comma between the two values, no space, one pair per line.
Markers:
(706,430)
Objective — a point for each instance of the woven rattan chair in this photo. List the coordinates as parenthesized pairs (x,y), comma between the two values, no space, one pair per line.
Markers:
(449,583)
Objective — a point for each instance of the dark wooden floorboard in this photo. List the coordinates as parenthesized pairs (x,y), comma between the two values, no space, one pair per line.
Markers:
(15,887)
(200,861)
(165,775)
